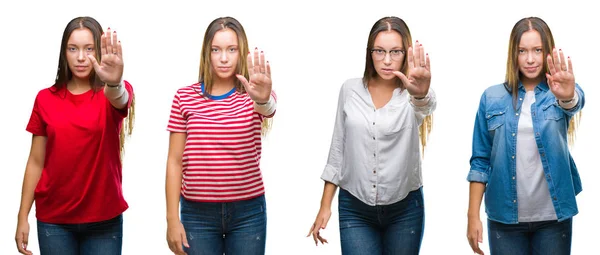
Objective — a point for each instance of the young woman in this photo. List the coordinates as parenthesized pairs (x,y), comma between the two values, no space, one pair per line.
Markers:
(74,168)
(213,165)
(521,159)
(375,155)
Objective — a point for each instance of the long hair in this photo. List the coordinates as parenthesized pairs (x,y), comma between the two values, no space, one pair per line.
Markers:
(205,71)
(398,25)
(513,75)
(64,74)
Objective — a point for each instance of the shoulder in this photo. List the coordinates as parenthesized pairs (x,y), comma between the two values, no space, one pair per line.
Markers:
(498,90)
(188,90)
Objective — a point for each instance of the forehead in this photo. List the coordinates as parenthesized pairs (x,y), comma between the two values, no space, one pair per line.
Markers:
(530,37)
(225,37)
(81,35)
(388,39)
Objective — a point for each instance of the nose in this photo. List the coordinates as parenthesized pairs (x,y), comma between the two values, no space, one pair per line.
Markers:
(224,58)
(81,56)
(530,58)
(387,59)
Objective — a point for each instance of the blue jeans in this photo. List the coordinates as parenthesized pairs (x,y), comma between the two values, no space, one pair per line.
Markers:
(543,237)
(225,228)
(101,238)
(382,229)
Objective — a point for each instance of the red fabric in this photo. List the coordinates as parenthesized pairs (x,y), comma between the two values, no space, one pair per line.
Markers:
(81,179)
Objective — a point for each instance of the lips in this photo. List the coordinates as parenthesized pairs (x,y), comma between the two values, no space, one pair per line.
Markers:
(531,69)
(387,70)
(81,68)
(223,68)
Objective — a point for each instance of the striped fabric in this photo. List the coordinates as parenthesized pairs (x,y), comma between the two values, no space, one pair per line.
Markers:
(223,146)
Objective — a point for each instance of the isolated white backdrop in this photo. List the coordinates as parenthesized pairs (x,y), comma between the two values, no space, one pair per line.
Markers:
(313,47)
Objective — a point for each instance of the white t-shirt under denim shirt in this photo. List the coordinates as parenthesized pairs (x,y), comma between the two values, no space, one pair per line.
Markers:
(375,153)
(533,194)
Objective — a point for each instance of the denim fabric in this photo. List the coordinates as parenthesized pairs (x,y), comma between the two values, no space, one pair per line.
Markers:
(382,229)
(97,238)
(225,228)
(493,161)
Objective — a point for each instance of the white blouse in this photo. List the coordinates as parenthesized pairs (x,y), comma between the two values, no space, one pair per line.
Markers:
(375,153)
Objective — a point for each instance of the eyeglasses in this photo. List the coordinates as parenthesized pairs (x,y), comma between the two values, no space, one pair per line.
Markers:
(379,54)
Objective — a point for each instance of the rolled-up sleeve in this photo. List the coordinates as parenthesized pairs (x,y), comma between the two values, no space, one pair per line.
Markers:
(331,173)
(481,148)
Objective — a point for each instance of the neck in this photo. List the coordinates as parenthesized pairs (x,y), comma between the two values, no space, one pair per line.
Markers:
(222,86)
(530,84)
(78,84)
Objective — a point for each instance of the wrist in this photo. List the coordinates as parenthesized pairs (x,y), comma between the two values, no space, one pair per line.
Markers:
(113,85)
(263,102)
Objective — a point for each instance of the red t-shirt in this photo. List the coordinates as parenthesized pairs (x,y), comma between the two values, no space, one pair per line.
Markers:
(81,178)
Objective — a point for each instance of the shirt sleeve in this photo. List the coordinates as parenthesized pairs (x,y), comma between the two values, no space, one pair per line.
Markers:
(177,122)
(37,125)
(482,146)
(336,150)
(424,107)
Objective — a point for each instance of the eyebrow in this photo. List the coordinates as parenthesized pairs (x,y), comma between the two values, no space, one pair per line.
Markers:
(71,44)
(217,46)
(394,48)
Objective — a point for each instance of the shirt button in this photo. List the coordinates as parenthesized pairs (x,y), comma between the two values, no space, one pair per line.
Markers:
(520,98)
(373,185)
(542,154)
(513,156)
(514,177)
(513,134)
(537,134)
(373,138)
(374,171)
(373,123)
(514,201)
(517,114)
(554,198)
(373,154)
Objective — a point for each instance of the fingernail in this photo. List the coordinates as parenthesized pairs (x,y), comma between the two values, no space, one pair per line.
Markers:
(569,57)
(115,31)
(108,28)
(261,51)
(267,62)
(256,48)
(420,44)
(417,41)
(560,49)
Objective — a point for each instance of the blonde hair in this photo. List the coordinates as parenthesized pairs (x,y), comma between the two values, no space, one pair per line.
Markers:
(127,126)
(205,70)
(512,65)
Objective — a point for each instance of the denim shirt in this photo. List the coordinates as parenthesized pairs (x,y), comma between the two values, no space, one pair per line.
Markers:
(493,160)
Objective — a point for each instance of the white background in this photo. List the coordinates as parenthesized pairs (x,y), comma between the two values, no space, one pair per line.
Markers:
(313,46)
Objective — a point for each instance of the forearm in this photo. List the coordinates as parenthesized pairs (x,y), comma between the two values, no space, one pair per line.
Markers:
(173,190)
(476,190)
(328,193)
(117,96)
(33,172)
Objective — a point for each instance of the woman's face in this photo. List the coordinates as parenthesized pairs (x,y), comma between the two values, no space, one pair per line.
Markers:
(224,54)
(79,45)
(531,55)
(388,54)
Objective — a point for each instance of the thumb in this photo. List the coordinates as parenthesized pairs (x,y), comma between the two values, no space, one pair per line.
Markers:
(402,77)
(185,241)
(94,62)
(479,236)
(243,81)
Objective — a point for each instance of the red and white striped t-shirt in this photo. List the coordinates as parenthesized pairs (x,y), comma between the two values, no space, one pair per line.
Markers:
(223,146)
